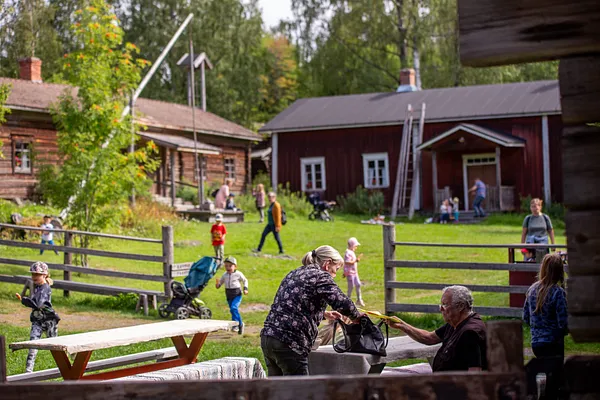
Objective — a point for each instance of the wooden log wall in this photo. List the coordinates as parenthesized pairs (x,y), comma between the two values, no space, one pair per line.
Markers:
(500,32)
(44,149)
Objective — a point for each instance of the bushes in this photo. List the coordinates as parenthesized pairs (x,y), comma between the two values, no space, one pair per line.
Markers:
(554,210)
(187,193)
(294,203)
(362,201)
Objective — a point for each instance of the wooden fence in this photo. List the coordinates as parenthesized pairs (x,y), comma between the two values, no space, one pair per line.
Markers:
(391,264)
(165,258)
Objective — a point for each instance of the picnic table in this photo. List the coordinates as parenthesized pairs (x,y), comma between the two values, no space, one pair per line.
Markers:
(325,361)
(83,344)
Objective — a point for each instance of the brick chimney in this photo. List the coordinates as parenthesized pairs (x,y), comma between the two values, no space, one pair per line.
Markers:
(30,69)
(407,77)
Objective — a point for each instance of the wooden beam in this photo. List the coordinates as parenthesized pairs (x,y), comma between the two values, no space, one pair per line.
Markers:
(499,177)
(581,373)
(581,171)
(3,369)
(505,346)
(584,328)
(168,255)
(275,160)
(583,236)
(580,88)
(583,295)
(501,32)
(389,254)
(473,288)
(428,386)
(434,178)
(545,159)
(525,267)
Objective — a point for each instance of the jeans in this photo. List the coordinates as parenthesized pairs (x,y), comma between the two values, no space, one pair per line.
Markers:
(234,304)
(37,328)
(477,206)
(48,242)
(268,229)
(556,349)
(281,360)
(261,211)
(220,252)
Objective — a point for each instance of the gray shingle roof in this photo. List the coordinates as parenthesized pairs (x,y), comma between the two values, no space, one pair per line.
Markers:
(180,143)
(447,104)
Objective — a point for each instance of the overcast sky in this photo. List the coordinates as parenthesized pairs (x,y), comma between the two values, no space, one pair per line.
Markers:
(275,10)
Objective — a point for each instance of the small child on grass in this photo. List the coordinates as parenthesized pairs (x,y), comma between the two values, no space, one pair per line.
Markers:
(234,282)
(351,270)
(47,235)
(43,317)
(218,232)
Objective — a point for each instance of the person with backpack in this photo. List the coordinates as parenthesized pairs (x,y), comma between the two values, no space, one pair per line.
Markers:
(537,226)
(275,219)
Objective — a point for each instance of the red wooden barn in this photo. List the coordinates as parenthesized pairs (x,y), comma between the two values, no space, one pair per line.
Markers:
(508,135)
(29,138)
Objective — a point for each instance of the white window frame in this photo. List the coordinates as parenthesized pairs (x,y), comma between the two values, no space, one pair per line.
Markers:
(312,161)
(386,174)
(232,173)
(23,147)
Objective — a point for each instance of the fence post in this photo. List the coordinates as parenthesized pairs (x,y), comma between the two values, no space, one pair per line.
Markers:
(389,272)
(505,346)
(68,260)
(3,370)
(167,245)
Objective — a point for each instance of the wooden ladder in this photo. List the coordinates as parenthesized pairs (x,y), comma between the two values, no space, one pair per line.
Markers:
(416,159)
(405,165)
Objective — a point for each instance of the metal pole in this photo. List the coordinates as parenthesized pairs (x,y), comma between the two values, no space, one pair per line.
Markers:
(132,146)
(203,86)
(193,87)
(127,108)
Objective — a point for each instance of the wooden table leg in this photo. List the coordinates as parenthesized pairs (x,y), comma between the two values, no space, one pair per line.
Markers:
(74,371)
(187,355)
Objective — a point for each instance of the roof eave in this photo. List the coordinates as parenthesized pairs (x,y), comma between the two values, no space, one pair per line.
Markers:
(399,122)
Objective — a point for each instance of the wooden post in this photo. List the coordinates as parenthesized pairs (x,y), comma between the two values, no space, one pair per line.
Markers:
(68,260)
(389,272)
(434,177)
(168,254)
(172,159)
(3,370)
(511,255)
(249,167)
(505,347)
(145,303)
(499,178)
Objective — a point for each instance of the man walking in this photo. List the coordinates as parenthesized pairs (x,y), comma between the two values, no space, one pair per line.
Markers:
(273,223)
(479,189)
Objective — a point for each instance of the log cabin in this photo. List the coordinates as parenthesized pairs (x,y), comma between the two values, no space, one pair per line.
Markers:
(30,138)
(506,134)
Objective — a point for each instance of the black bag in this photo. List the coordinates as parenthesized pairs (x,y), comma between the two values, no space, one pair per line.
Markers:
(214,194)
(283,217)
(364,337)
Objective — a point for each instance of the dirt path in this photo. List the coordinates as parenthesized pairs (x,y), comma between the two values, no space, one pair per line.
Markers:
(73,321)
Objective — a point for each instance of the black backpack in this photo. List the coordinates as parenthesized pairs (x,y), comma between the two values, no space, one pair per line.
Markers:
(283,217)
(214,194)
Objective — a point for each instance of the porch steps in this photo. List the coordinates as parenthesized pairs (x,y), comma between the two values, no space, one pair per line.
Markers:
(180,205)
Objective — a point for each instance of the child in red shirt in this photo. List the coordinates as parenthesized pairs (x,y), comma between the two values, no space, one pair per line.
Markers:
(218,233)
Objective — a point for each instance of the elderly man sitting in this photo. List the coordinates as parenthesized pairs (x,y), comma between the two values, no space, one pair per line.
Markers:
(463,337)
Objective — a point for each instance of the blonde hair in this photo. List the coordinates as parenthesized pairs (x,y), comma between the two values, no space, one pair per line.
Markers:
(228,181)
(260,187)
(49,280)
(536,201)
(322,254)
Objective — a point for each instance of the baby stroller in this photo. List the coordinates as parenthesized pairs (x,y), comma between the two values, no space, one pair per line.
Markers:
(320,208)
(185,301)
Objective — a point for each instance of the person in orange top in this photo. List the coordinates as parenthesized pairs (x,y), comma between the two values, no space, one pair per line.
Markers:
(217,233)
(273,223)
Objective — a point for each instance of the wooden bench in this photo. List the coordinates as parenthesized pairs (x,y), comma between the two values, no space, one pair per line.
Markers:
(143,294)
(325,361)
(152,355)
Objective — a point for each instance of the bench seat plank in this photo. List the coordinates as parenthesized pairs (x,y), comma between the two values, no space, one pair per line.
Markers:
(325,361)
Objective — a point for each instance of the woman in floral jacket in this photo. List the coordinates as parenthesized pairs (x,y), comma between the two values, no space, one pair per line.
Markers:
(299,307)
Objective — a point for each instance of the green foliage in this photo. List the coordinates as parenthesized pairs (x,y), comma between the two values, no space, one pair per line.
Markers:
(262,177)
(554,210)
(92,137)
(362,201)
(187,193)
(294,203)
(4,92)
(123,301)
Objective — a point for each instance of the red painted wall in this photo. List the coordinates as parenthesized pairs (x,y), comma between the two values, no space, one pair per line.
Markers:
(343,149)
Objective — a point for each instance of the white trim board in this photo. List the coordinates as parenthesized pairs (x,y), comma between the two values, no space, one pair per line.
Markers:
(386,174)
(463,127)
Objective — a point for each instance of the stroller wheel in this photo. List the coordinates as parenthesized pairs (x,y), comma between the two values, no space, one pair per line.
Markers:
(163,310)
(182,313)
(206,313)
(312,216)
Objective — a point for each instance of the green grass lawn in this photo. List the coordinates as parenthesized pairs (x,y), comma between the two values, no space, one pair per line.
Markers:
(265,274)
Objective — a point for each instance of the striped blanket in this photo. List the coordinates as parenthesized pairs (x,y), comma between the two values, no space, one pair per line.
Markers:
(221,368)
